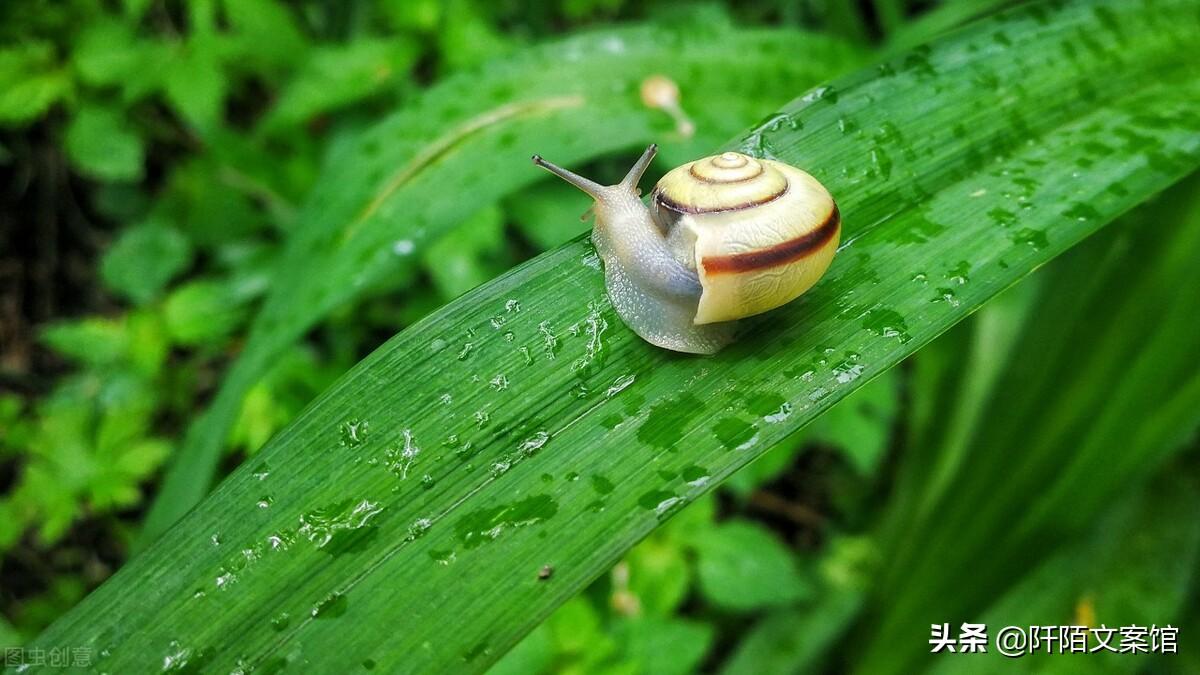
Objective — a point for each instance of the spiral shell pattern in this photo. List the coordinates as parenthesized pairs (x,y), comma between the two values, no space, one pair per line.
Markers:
(720,183)
(758,232)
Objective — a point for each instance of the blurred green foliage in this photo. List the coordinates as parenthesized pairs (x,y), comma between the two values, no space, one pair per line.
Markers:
(192,133)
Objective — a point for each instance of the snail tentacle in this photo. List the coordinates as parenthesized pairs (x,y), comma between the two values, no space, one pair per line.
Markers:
(639,168)
(596,190)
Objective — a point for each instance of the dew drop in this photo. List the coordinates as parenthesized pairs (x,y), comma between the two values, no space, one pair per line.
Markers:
(354,433)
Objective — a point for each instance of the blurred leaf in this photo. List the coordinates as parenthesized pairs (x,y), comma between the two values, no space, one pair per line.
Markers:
(890,13)
(135,8)
(148,344)
(204,312)
(108,53)
(467,256)
(416,15)
(576,628)
(205,207)
(765,469)
(659,575)
(659,646)
(8,635)
(121,202)
(144,259)
(101,144)
(843,17)
(548,214)
(30,82)
(742,566)
(798,639)
(793,640)
(93,341)
(693,522)
(89,452)
(135,340)
(948,400)
(120,468)
(195,85)
(337,76)
(15,427)
(942,19)
(383,200)
(1137,567)
(266,31)
(466,38)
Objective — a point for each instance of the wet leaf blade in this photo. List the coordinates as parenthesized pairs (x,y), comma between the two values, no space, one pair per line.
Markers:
(563,445)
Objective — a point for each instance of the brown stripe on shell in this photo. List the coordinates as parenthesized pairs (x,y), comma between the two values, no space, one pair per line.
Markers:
(779,254)
(669,203)
(712,181)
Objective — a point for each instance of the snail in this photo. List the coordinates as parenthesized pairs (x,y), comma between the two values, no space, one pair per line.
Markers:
(724,237)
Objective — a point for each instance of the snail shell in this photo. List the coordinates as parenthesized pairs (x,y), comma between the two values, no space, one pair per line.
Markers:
(757,232)
(725,237)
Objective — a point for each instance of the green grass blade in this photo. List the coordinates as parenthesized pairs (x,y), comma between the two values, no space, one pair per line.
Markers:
(404,518)
(389,196)
(941,20)
(1100,388)
(1135,567)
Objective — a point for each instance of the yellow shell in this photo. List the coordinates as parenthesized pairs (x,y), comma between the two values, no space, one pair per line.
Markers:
(758,233)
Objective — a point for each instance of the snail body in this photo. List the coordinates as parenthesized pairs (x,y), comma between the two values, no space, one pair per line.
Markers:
(725,237)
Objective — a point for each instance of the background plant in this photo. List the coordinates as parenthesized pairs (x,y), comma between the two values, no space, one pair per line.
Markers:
(199,216)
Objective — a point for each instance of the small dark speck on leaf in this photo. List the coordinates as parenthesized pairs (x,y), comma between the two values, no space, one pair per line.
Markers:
(545,573)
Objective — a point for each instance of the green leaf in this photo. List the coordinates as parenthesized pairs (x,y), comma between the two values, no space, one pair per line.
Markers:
(103,146)
(797,639)
(381,203)
(30,82)
(742,566)
(88,454)
(337,76)
(95,341)
(204,312)
(792,640)
(121,468)
(194,83)
(205,207)
(415,15)
(364,539)
(467,256)
(467,38)
(657,646)
(659,575)
(108,53)
(266,31)
(144,259)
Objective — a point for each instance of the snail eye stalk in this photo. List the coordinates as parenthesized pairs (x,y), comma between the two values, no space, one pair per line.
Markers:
(639,167)
(596,190)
